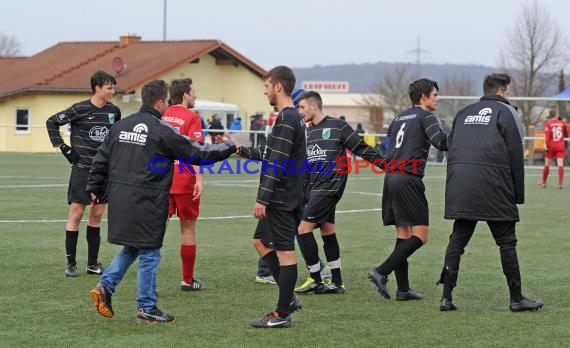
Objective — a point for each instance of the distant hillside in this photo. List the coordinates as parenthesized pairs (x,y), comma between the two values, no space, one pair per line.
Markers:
(363,76)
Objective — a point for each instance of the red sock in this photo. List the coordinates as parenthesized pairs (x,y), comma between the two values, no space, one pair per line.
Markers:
(188,258)
(545,172)
(560,175)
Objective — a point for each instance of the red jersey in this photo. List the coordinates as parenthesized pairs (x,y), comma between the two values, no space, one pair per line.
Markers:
(188,123)
(554,133)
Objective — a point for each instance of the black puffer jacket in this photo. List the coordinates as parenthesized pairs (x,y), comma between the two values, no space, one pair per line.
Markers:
(138,197)
(485,172)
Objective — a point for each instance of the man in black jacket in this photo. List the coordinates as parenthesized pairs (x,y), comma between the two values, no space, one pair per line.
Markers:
(485,182)
(134,167)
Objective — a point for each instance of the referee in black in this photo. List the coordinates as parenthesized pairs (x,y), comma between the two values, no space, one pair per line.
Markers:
(280,194)
(327,140)
(485,182)
(89,121)
(404,203)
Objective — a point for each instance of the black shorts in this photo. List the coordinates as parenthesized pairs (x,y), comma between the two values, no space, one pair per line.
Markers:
(77,183)
(404,201)
(320,209)
(278,228)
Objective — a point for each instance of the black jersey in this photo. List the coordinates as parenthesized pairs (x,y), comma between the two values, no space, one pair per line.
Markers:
(281,181)
(326,152)
(410,135)
(89,127)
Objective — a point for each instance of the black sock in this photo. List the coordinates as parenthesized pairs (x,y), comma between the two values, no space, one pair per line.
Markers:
(272,263)
(332,253)
(71,246)
(310,251)
(93,242)
(287,280)
(401,271)
(400,253)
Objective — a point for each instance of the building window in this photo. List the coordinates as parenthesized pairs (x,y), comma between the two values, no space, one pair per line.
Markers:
(22,121)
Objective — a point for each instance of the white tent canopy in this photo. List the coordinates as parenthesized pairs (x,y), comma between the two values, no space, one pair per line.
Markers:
(208,105)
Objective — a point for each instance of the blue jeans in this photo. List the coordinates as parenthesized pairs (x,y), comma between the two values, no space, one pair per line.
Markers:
(146,276)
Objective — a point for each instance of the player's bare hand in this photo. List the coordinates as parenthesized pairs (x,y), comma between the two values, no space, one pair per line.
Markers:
(259,211)
(219,139)
(237,144)
(198,188)
(95,199)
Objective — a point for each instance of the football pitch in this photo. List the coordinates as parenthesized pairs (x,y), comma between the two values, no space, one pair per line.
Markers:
(41,307)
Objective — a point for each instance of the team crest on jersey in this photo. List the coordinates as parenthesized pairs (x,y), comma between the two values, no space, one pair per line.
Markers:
(111,118)
(326,133)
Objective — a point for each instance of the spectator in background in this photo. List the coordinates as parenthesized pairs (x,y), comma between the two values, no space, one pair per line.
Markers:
(216,128)
(235,126)
(359,130)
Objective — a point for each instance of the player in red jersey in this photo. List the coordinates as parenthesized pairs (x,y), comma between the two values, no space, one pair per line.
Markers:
(554,133)
(186,187)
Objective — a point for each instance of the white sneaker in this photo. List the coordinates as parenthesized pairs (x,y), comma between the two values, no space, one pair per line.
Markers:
(264,280)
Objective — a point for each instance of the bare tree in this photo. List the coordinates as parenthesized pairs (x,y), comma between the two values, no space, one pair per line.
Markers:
(9,45)
(455,85)
(392,91)
(534,54)
(561,88)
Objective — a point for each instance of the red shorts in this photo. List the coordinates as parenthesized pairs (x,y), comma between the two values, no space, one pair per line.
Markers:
(549,154)
(183,206)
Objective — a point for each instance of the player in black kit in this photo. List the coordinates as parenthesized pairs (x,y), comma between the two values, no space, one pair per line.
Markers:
(327,140)
(280,195)
(404,203)
(90,121)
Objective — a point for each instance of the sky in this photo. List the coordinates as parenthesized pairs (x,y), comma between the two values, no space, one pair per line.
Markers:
(297,33)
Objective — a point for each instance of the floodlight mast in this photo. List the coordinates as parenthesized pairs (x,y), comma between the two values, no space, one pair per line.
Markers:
(164,22)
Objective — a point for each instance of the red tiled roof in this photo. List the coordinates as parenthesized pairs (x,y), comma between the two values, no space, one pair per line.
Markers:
(67,66)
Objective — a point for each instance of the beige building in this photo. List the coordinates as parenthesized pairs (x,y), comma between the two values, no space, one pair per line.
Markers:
(356,108)
(34,88)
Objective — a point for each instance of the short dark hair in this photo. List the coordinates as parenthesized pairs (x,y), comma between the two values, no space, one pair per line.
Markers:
(493,83)
(177,89)
(154,91)
(314,96)
(551,113)
(100,78)
(284,75)
(419,88)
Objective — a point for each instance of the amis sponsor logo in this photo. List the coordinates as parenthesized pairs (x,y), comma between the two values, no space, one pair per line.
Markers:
(483,117)
(137,136)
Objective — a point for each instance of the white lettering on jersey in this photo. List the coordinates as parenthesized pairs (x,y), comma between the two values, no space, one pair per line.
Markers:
(400,136)
(315,153)
(98,133)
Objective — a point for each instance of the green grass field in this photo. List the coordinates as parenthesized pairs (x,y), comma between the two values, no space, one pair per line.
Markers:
(41,307)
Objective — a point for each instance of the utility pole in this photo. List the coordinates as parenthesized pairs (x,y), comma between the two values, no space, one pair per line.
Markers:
(164,23)
(418,51)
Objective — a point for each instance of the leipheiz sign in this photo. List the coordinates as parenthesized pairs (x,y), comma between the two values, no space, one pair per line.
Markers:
(327,86)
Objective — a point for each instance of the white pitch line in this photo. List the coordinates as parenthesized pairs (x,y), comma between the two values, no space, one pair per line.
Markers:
(365,193)
(200,218)
(33,186)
